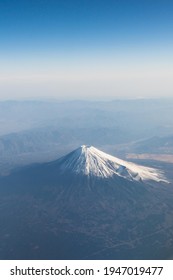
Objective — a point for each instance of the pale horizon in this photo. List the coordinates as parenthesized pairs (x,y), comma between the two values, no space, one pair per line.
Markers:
(100,49)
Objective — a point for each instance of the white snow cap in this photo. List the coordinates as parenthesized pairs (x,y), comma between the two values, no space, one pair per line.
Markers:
(91,161)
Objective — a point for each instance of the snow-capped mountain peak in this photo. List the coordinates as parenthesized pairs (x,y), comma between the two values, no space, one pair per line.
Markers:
(92,162)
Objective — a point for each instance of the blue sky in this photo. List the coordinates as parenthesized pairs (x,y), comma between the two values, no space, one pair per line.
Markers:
(86,48)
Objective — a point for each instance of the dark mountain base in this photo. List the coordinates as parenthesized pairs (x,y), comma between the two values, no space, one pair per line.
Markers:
(45,214)
(103,220)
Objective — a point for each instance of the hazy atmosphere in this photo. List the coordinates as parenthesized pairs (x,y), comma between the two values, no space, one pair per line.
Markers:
(86,49)
(86,130)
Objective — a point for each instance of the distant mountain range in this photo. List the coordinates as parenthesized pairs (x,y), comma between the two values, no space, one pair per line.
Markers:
(136,118)
(42,130)
(43,144)
(86,205)
(155,145)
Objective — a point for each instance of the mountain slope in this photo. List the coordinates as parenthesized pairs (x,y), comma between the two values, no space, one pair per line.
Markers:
(81,207)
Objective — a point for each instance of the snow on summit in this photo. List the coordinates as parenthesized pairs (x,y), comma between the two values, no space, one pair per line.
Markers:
(93,162)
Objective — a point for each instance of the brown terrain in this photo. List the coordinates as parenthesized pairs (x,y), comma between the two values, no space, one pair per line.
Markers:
(159,157)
